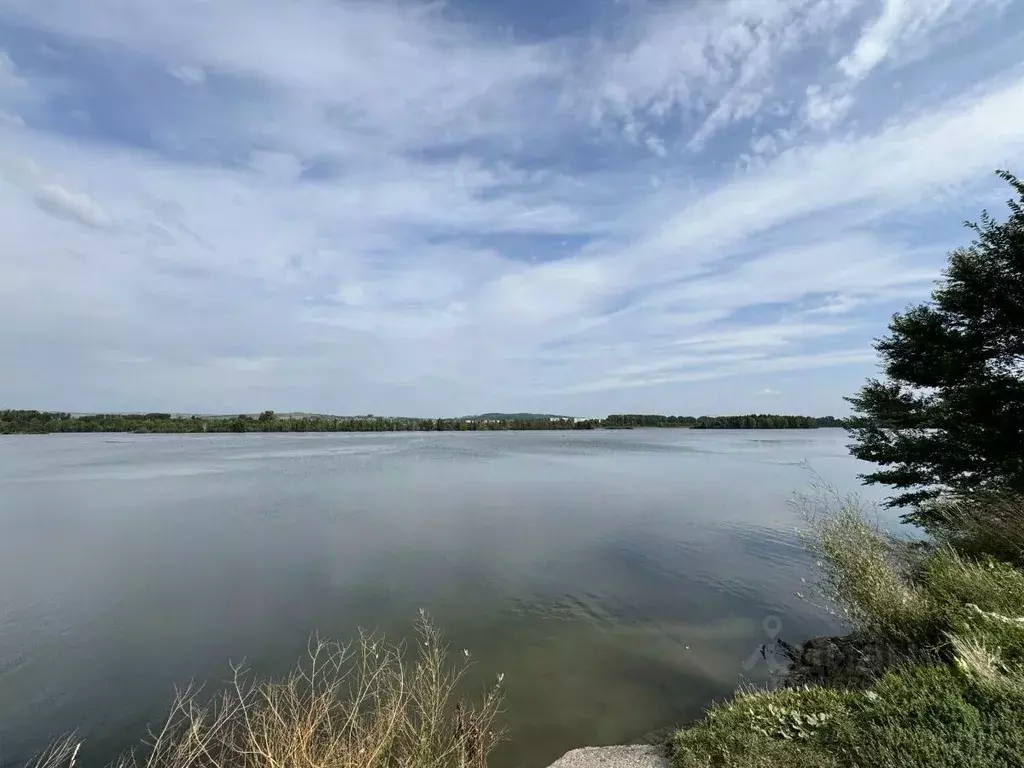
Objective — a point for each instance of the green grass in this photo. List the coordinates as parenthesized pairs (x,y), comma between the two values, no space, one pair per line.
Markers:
(762,730)
(932,716)
(952,581)
(916,717)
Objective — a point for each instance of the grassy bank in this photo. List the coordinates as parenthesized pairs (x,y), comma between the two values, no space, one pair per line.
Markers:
(937,632)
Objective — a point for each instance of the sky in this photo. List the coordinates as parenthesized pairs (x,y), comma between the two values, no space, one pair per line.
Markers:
(442,208)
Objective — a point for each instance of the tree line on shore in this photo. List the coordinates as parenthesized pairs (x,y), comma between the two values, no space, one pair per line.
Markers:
(47,422)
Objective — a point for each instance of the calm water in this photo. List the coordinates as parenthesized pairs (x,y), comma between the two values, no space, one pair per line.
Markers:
(619,580)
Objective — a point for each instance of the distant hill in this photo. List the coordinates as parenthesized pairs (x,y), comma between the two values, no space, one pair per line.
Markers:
(516,416)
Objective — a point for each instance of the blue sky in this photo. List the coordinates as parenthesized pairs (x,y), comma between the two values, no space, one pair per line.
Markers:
(592,206)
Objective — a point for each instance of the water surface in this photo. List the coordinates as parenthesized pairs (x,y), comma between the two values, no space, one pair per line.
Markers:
(619,580)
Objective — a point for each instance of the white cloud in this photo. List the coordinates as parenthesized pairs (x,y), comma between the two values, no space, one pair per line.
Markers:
(718,61)
(823,110)
(399,70)
(51,196)
(11,121)
(74,206)
(903,27)
(9,77)
(899,165)
(14,93)
(188,74)
(656,145)
(378,207)
(744,367)
(280,166)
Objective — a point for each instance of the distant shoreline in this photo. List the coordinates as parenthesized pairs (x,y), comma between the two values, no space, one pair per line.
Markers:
(20,422)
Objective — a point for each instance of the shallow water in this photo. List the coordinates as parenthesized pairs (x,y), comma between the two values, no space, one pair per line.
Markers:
(619,580)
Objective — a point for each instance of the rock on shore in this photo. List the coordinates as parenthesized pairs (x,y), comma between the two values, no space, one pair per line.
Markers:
(639,756)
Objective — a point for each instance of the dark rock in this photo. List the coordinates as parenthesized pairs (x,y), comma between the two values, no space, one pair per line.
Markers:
(850,661)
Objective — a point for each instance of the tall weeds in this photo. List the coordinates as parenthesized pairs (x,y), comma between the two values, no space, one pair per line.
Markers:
(988,523)
(916,595)
(366,704)
(864,571)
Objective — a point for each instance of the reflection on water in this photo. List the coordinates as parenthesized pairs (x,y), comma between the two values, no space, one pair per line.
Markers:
(618,579)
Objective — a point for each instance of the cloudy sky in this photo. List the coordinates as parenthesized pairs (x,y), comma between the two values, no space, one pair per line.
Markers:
(583,206)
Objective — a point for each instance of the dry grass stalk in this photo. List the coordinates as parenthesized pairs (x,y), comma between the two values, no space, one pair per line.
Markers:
(368,704)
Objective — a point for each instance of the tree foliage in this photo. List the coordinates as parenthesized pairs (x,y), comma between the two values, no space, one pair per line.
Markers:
(949,414)
(766,421)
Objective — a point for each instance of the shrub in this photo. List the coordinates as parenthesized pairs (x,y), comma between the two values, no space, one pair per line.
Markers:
(361,705)
(949,412)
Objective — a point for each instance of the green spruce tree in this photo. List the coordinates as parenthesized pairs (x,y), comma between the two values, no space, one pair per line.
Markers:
(949,414)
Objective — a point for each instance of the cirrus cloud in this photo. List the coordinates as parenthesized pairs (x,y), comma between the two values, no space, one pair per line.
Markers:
(403,207)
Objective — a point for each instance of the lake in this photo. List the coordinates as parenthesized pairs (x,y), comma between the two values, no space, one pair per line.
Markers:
(619,579)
